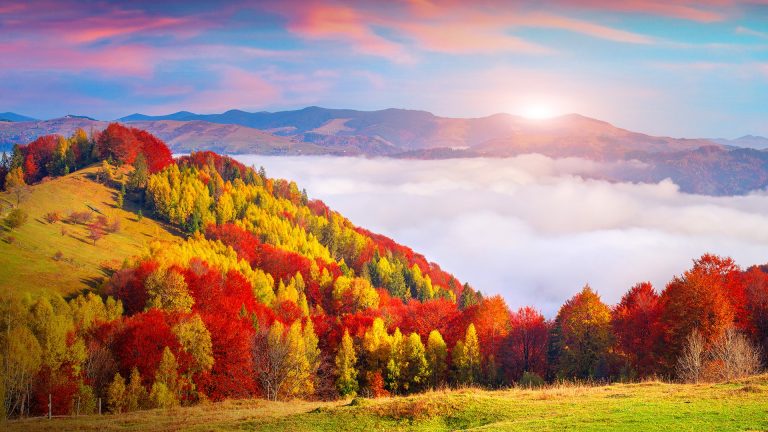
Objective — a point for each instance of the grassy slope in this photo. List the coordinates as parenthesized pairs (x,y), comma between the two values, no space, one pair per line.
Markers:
(27,264)
(651,406)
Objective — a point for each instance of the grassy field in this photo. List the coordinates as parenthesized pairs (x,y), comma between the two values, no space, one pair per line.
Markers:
(27,263)
(650,406)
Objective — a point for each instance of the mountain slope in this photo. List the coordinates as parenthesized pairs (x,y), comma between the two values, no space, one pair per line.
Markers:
(13,117)
(28,260)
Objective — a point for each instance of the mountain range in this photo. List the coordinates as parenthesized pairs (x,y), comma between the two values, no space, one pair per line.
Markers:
(708,166)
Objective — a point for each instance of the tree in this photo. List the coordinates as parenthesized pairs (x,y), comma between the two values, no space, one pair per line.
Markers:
(16,186)
(585,337)
(281,362)
(138,178)
(414,368)
(116,400)
(638,332)
(96,231)
(466,358)
(525,347)
(135,393)
(195,339)
(165,389)
(167,290)
(437,356)
(346,358)
(699,299)
(22,360)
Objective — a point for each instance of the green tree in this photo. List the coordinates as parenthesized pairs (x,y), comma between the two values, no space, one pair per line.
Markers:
(138,178)
(346,358)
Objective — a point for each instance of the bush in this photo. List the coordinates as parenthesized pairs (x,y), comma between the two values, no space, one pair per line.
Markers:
(530,380)
(731,356)
(81,217)
(16,218)
(52,217)
(58,256)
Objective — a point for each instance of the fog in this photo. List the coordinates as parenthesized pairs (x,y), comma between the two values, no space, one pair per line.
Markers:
(531,228)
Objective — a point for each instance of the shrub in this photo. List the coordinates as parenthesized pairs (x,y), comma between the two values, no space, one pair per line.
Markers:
(112,226)
(731,356)
(80,217)
(58,256)
(16,218)
(10,239)
(530,380)
(52,217)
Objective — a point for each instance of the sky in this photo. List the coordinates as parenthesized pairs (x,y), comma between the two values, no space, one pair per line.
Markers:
(532,228)
(665,67)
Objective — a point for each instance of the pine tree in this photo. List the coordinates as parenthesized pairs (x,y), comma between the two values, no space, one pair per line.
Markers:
(346,358)
(415,368)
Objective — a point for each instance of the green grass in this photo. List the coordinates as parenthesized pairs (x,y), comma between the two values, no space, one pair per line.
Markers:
(27,264)
(650,406)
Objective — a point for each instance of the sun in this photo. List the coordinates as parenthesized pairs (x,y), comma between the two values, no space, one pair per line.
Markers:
(538,112)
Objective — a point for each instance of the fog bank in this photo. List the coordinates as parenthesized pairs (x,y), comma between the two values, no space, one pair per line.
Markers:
(530,228)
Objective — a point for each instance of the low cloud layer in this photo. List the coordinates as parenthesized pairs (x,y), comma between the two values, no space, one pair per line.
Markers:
(530,228)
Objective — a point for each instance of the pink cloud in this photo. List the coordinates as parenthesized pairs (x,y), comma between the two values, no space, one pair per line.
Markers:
(325,21)
(692,10)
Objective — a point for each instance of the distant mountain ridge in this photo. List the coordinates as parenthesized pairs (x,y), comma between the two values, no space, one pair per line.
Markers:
(710,166)
(13,117)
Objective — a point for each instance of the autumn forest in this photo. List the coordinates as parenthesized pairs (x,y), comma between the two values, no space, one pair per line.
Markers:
(272,294)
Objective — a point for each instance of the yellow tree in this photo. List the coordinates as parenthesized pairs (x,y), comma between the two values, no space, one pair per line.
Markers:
(346,358)
(437,354)
(584,336)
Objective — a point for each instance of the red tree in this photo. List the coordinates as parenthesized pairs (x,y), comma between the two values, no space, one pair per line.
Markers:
(637,328)
(525,348)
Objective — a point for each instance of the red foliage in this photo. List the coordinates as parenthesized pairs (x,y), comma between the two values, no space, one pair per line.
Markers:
(37,156)
(60,384)
(756,283)
(123,144)
(118,142)
(128,286)
(637,328)
(424,317)
(525,348)
(141,343)
(491,318)
(699,299)
(155,150)
(232,373)
(287,312)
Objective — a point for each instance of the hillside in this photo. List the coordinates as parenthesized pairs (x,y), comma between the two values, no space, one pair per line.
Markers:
(648,406)
(29,262)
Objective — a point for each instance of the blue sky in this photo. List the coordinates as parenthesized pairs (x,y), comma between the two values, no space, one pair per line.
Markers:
(678,68)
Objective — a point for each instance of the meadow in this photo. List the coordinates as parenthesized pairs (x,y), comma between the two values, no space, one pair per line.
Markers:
(40,256)
(648,406)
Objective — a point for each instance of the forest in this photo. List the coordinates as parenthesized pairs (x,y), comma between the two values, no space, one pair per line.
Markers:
(274,295)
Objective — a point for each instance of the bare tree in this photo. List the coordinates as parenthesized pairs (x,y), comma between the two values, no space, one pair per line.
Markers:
(690,364)
(733,356)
